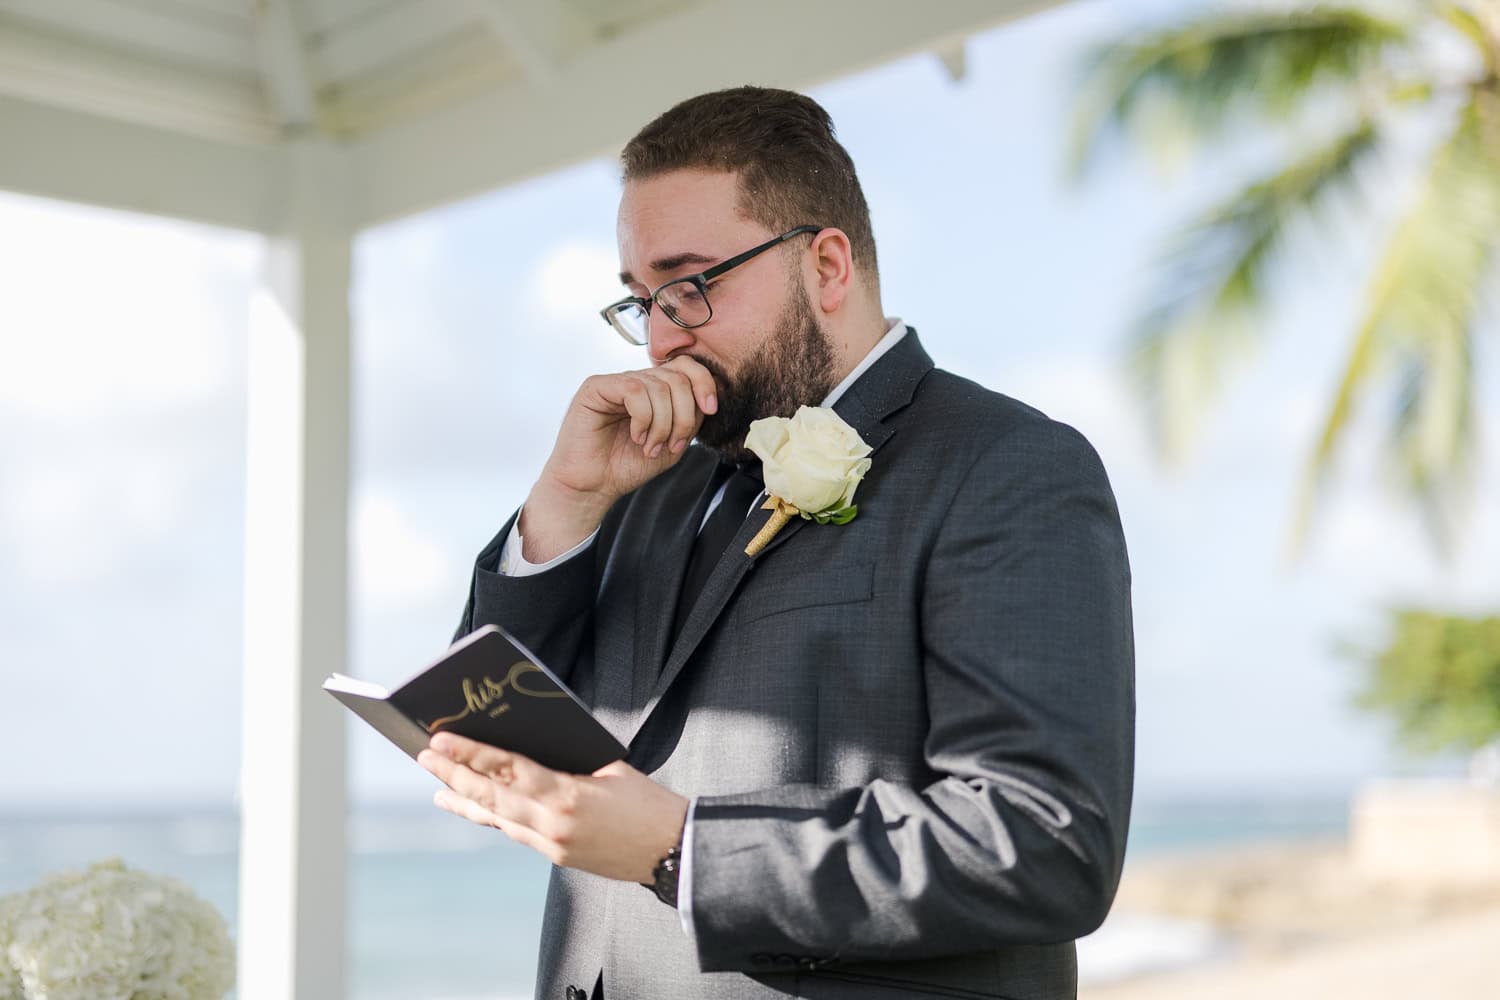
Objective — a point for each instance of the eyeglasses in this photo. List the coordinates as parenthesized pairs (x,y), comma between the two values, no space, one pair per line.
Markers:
(684,301)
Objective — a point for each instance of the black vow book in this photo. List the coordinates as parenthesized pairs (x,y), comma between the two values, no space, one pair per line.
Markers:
(489,688)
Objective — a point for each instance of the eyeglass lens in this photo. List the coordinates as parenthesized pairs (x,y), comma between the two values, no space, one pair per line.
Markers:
(630,320)
(683,302)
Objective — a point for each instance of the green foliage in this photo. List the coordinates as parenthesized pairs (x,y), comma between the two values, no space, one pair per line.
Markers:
(1218,277)
(1418,326)
(1440,678)
(841,516)
(1202,76)
(1419,322)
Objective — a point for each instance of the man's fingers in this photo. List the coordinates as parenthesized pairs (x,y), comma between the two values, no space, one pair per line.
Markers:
(685,413)
(648,401)
(480,756)
(665,404)
(681,392)
(635,398)
(484,790)
(704,391)
(530,803)
(447,798)
(508,784)
(459,777)
(615,822)
(472,811)
(511,770)
(660,434)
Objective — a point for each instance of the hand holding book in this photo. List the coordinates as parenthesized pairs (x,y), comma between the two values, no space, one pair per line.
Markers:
(616,822)
(519,752)
(489,688)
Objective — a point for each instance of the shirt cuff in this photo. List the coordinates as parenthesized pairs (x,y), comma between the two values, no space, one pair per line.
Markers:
(685,875)
(513,560)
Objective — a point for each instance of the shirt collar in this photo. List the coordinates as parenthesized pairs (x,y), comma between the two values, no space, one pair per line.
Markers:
(895,330)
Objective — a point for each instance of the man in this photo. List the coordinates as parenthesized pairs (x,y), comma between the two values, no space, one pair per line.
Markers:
(885,758)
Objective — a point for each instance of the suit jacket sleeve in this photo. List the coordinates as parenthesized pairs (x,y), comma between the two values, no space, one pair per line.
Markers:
(1028,667)
(550,612)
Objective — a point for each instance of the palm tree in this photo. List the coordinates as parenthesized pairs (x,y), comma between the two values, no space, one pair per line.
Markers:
(1357,76)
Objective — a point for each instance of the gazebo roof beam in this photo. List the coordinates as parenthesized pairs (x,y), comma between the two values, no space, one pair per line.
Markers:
(52,152)
(283,65)
(538,34)
(601,95)
(364,45)
(190,34)
(38,66)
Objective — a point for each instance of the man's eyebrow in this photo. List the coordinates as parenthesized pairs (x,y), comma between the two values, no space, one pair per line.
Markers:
(671,263)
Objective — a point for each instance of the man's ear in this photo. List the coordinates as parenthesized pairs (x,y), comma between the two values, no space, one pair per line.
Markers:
(833,262)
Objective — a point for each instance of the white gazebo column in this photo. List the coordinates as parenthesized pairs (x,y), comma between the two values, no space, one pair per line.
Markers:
(292,843)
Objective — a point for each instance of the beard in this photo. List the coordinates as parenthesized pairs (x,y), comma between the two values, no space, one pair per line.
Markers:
(793,367)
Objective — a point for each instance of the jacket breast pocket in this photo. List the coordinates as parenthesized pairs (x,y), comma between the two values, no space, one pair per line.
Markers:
(848,583)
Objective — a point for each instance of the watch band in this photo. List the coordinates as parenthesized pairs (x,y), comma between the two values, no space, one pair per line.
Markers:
(664,876)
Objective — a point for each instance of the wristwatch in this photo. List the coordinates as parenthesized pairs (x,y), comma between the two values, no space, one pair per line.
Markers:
(664,876)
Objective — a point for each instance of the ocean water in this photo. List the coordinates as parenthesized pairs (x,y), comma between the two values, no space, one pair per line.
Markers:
(440,909)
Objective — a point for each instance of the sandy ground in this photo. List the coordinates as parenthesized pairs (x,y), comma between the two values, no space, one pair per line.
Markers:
(1452,958)
(1309,926)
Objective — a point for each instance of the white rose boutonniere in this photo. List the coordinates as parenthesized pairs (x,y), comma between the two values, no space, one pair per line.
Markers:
(812,464)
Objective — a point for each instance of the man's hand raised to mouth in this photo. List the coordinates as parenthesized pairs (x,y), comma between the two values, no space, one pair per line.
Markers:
(620,432)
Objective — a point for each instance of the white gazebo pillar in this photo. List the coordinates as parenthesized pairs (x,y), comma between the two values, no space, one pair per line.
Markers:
(292,891)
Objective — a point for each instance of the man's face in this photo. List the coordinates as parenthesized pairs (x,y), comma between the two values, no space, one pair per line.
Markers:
(764,345)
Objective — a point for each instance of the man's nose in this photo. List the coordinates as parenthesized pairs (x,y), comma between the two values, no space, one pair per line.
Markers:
(666,338)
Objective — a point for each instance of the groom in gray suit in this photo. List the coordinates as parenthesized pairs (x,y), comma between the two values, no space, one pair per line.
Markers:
(885,758)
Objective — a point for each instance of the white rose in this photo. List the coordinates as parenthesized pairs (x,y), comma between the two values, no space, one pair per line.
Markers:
(812,461)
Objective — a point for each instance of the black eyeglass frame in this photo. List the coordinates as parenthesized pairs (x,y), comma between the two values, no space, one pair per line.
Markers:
(699,281)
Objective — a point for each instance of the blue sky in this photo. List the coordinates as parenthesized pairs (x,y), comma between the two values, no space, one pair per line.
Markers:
(122,426)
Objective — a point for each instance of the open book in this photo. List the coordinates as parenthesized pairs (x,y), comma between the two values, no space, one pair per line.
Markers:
(489,688)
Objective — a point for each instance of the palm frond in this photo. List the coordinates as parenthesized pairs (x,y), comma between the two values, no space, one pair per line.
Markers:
(1217,277)
(1203,75)
(1419,323)
(1468,23)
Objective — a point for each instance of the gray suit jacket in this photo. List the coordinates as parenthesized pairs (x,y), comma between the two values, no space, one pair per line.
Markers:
(910,737)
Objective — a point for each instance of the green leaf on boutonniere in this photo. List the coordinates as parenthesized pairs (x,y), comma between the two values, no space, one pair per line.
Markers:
(843,516)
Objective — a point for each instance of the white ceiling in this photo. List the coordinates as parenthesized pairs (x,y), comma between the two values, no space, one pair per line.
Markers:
(252,71)
(180,106)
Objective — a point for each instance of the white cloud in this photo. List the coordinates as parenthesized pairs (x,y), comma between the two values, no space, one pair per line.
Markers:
(576,278)
(66,523)
(1090,392)
(106,311)
(396,565)
(571,282)
(1366,542)
(413,247)
(121,338)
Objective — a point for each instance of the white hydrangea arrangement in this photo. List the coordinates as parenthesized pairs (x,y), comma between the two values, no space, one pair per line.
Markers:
(111,933)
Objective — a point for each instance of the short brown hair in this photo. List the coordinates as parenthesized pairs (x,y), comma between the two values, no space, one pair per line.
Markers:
(792,170)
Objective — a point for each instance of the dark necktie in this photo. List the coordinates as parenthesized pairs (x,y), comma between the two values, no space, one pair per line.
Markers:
(743,485)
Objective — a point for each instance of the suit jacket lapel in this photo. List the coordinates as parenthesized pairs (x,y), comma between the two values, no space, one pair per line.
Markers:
(667,549)
(882,390)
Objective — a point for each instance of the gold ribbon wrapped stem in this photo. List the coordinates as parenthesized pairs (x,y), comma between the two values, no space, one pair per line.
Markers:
(781,513)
